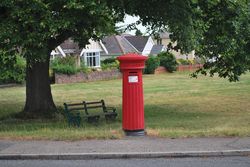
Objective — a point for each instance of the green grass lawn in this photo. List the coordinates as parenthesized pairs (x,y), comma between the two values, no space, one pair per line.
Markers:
(175,106)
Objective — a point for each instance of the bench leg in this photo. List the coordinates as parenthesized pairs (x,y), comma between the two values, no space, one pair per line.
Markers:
(74,121)
(110,117)
(93,119)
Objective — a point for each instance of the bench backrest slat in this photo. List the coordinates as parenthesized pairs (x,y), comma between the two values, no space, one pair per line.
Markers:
(94,102)
(73,106)
(93,105)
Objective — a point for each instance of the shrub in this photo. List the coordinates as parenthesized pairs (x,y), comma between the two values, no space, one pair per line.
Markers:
(15,73)
(83,67)
(65,65)
(109,66)
(65,69)
(151,64)
(68,60)
(109,61)
(168,60)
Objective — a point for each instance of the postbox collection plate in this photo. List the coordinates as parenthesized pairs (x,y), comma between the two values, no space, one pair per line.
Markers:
(132,79)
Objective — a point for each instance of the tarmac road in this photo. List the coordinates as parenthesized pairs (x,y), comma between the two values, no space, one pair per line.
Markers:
(158,162)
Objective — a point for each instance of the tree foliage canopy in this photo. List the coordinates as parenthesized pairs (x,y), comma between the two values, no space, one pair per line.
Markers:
(225,40)
(35,25)
(218,31)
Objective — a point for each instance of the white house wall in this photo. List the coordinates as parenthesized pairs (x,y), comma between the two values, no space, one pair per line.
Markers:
(148,47)
(93,46)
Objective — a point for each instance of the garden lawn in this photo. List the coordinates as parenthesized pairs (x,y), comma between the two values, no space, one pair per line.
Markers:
(175,106)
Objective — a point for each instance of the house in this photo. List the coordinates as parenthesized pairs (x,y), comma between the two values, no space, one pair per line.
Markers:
(108,47)
(164,39)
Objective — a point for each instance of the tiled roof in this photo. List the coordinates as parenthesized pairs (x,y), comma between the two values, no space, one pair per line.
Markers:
(69,46)
(138,42)
(116,44)
(156,49)
(112,45)
(125,45)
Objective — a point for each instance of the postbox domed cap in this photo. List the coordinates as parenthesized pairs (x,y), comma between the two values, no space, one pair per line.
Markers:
(132,61)
(131,56)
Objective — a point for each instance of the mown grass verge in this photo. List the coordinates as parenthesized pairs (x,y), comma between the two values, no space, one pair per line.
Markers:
(175,106)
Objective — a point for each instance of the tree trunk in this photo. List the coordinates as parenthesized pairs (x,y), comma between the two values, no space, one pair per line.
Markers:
(39,101)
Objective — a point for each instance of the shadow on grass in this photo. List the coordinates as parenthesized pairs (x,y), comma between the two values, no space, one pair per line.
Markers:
(156,116)
(19,122)
(171,116)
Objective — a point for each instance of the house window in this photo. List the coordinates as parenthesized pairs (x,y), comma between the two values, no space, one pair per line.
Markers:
(92,59)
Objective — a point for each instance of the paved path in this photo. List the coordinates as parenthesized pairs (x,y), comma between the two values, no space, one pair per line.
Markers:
(129,146)
(160,162)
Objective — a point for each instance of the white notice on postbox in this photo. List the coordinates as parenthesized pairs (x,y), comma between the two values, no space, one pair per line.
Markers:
(132,79)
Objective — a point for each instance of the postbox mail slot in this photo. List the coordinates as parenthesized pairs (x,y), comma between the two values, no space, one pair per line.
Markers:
(132,79)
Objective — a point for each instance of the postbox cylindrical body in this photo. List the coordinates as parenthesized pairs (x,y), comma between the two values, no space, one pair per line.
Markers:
(131,66)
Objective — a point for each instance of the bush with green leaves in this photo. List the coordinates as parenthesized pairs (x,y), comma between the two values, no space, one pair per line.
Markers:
(65,65)
(168,61)
(151,64)
(111,65)
(14,73)
(109,61)
(84,68)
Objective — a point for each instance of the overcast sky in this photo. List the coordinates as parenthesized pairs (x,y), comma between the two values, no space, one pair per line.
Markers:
(132,19)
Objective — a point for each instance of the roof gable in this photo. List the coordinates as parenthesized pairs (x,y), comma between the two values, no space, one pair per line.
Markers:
(116,44)
(138,42)
(112,45)
(69,46)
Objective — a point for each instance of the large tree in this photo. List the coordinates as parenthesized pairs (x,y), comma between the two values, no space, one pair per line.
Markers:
(33,28)
(218,30)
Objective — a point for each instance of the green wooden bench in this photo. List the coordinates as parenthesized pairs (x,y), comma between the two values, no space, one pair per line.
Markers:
(102,110)
(74,111)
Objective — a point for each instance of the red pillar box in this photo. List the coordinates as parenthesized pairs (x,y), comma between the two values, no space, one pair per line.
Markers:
(131,66)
